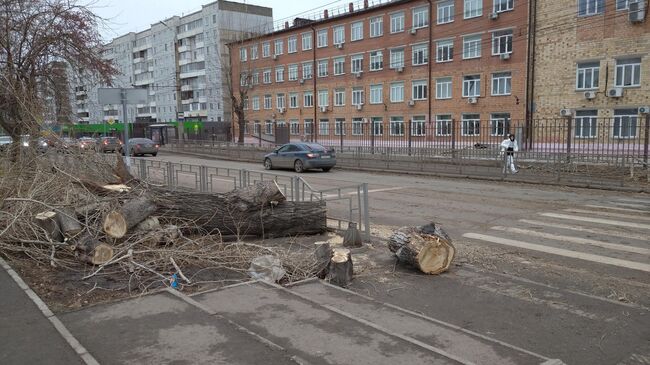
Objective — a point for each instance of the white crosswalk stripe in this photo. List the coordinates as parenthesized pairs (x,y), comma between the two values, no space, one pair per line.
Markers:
(603,232)
(640,206)
(647,211)
(597,220)
(608,214)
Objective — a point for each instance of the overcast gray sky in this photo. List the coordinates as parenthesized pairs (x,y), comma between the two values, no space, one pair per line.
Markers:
(136,15)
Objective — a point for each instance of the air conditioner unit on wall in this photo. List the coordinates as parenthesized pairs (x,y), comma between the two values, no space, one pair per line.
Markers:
(302,81)
(636,11)
(359,106)
(281,110)
(472,100)
(644,109)
(339,46)
(505,56)
(323,109)
(357,75)
(411,102)
(399,69)
(275,57)
(494,16)
(414,31)
(590,95)
(615,92)
(566,112)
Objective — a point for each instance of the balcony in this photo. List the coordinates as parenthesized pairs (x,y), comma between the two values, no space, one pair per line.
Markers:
(139,59)
(198,45)
(187,87)
(143,82)
(187,101)
(195,113)
(185,48)
(190,74)
(190,33)
(203,99)
(141,47)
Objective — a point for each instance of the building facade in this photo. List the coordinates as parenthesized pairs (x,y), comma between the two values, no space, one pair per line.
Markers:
(422,70)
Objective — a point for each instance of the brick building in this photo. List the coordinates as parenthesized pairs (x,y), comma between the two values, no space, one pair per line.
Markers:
(409,69)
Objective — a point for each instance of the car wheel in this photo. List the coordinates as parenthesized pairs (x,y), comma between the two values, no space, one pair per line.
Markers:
(298,166)
(326,169)
(268,165)
(154,154)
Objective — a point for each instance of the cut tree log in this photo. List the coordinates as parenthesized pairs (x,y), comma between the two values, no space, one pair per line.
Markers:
(341,268)
(93,251)
(262,194)
(118,222)
(428,248)
(68,222)
(323,256)
(48,222)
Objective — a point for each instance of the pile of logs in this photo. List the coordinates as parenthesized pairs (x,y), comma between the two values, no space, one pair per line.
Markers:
(427,248)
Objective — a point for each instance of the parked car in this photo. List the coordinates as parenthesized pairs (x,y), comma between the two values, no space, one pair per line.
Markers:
(106,144)
(300,157)
(141,147)
(5,141)
(87,144)
(68,144)
(42,145)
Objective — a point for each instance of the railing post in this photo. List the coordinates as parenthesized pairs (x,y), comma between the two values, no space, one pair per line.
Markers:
(568,139)
(366,211)
(143,169)
(410,131)
(647,139)
(170,174)
(342,132)
(453,138)
(372,137)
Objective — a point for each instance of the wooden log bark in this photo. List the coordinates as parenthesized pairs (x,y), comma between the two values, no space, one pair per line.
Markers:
(323,256)
(260,195)
(427,248)
(93,251)
(118,222)
(48,222)
(341,268)
(68,222)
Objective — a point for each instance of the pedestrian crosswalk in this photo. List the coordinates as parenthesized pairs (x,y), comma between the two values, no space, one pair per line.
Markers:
(615,232)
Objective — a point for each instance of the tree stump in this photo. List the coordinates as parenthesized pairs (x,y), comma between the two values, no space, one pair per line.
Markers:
(322,255)
(428,248)
(93,251)
(341,268)
(48,222)
(352,237)
(68,222)
(134,211)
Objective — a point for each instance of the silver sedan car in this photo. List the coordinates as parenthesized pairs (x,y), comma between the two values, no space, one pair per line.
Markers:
(300,157)
(141,147)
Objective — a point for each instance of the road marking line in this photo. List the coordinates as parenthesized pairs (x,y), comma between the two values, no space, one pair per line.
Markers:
(589,230)
(607,214)
(646,206)
(578,240)
(597,220)
(561,252)
(618,208)
(634,200)
(327,196)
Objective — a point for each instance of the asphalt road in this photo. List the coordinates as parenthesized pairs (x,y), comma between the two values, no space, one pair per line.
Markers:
(559,271)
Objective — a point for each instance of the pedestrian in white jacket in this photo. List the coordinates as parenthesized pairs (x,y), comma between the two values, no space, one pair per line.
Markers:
(509,146)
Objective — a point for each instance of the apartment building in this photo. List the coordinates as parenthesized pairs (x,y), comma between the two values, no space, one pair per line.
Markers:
(178,60)
(412,68)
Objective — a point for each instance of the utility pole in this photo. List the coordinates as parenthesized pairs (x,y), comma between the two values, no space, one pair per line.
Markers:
(127,152)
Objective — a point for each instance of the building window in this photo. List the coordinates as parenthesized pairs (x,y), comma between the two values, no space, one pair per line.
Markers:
(376,60)
(254,54)
(471,86)
(396,126)
(294,127)
(321,38)
(473,8)
(628,72)
(293,100)
(243,54)
(323,98)
(292,44)
(622,4)
(339,34)
(339,97)
(309,127)
(625,123)
(376,92)
(256,102)
(499,124)
(339,66)
(501,83)
(339,126)
(420,17)
(266,76)
(268,102)
(443,125)
(505,5)
(501,42)
(587,75)
(419,90)
(377,126)
(357,126)
(324,127)
(280,101)
(306,41)
(397,22)
(590,7)
(357,96)
(279,74)
(356,31)
(443,88)
(278,49)
(445,12)
(322,68)
(445,50)
(357,63)
(586,122)
(397,58)
(243,79)
(376,26)
(472,46)
(418,125)
(255,77)
(293,72)
(307,70)
(266,49)
(420,54)
(268,127)
(397,92)
(308,99)
(471,125)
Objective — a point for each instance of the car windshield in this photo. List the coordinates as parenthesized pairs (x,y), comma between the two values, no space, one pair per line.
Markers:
(5,138)
(314,147)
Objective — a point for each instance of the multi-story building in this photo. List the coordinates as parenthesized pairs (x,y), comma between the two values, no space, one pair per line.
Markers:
(412,68)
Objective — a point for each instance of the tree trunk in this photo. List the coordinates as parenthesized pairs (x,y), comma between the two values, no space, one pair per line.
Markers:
(134,211)
(93,251)
(265,193)
(48,222)
(427,248)
(341,268)
(68,222)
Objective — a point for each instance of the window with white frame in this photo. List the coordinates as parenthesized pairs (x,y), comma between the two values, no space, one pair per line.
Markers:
(309,127)
(418,125)
(339,126)
(339,97)
(293,72)
(280,101)
(356,62)
(321,38)
(268,127)
(278,49)
(255,77)
(376,26)
(499,124)
(586,122)
(628,72)
(445,50)
(268,102)
(419,90)
(256,102)
(445,11)
(339,66)
(307,70)
(420,17)
(324,127)
(587,75)
(376,92)
(502,42)
(471,125)
(505,5)
(443,125)
(471,86)
(396,126)
(472,46)
(254,54)
(397,22)
(339,34)
(308,99)
(246,103)
(472,8)
(243,79)
(590,7)
(443,88)
(307,42)
(377,126)
(376,60)
(266,49)
(279,74)
(294,127)
(243,54)
(323,98)
(357,96)
(397,58)
(266,76)
(356,31)
(257,128)
(292,44)
(322,68)
(293,100)
(357,126)
(501,83)
(625,123)
(397,92)
(420,54)
(622,4)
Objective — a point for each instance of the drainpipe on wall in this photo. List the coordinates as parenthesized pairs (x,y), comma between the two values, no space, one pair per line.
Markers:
(530,71)
(314,127)
(430,62)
